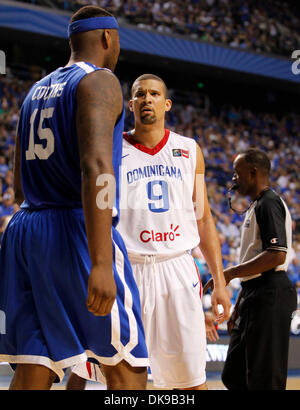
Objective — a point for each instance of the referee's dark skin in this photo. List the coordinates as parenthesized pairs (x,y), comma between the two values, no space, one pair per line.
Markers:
(257,357)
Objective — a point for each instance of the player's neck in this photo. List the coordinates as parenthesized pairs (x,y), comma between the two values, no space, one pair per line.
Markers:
(148,135)
(86,57)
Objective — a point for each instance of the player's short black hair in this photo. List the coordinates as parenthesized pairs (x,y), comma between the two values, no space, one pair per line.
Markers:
(150,77)
(88,12)
(258,159)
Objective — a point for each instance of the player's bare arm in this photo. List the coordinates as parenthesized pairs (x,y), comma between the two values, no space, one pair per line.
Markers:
(210,244)
(99,104)
(19,196)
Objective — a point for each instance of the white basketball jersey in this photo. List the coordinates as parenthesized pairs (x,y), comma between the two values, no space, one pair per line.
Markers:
(156,208)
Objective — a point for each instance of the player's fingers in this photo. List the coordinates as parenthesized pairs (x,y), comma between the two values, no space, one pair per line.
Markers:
(226,310)
(93,306)
(209,337)
(220,319)
(105,306)
(215,334)
(90,299)
(215,310)
(103,309)
(95,303)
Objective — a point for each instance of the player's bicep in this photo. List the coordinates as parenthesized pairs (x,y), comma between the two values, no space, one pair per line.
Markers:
(99,105)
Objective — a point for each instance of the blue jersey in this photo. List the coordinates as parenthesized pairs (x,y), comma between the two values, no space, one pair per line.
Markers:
(50,166)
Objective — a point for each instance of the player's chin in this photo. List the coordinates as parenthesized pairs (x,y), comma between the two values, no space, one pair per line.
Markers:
(148,119)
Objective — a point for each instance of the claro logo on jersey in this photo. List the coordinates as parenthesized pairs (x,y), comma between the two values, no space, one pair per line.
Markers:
(153,236)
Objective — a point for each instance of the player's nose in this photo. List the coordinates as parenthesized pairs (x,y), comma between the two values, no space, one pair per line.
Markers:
(148,97)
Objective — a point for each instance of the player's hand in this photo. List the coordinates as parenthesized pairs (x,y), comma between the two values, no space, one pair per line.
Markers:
(221,297)
(211,331)
(102,291)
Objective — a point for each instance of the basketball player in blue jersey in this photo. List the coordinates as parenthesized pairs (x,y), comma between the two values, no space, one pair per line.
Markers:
(67,288)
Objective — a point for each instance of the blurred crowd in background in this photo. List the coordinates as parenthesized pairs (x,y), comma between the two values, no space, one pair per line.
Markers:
(269,26)
(221,131)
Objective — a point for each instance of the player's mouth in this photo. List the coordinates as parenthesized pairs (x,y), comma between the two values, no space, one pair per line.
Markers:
(146,110)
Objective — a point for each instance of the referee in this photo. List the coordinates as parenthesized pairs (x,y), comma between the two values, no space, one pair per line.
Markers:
(257,356)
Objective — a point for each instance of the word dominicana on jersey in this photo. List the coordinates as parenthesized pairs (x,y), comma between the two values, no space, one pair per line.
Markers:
(150,399)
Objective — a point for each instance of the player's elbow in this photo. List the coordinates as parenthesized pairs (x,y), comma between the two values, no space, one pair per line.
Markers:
(281,257)
(96,166)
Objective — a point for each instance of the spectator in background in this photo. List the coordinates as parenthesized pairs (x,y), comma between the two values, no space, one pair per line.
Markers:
(294,271)
(3,166)
(5,219)
(225,251)
(7,207)
(265,27)
(228,229)
(7,182)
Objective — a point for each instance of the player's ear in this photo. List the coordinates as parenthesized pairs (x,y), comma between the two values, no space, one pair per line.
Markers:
(106,39)
(130,104)
(168,104)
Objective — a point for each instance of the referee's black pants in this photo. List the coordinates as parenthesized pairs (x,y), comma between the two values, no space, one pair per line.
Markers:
(257,357)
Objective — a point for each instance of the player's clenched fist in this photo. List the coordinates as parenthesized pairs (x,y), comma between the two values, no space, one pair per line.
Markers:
(102,291)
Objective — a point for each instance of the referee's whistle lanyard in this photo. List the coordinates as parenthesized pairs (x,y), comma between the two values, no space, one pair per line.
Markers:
(234,187)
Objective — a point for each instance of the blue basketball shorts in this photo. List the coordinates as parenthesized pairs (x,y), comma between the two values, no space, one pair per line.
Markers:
(44,270)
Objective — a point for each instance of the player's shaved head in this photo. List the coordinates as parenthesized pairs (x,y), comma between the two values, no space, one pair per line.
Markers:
(149,77)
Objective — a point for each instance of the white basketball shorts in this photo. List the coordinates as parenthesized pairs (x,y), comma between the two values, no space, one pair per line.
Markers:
(173,318)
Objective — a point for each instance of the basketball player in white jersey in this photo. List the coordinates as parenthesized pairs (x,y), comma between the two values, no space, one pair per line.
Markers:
(164,214)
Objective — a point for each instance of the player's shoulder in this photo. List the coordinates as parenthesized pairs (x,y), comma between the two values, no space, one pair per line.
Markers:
(106,76)
(102,85)
(174,137)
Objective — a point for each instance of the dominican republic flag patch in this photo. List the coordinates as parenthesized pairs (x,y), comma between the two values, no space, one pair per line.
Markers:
(181,153)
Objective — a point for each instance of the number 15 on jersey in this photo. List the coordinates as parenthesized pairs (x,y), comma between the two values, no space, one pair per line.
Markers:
(35,150)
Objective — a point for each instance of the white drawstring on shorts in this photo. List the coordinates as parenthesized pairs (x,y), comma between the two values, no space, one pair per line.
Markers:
(149,259)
